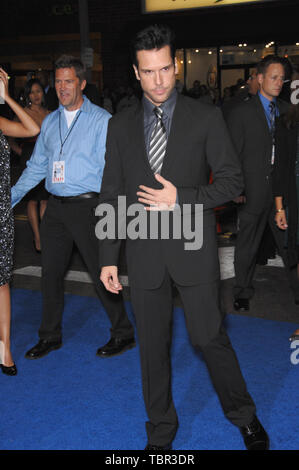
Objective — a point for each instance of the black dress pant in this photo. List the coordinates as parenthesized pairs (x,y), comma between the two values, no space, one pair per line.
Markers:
(153,310)
(251,229)
(63,225)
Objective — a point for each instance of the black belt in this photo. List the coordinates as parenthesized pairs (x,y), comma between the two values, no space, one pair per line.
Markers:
(77,198)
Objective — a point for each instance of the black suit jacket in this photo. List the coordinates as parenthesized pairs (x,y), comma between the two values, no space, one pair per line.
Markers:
(198,144)
(284,181)
(252,139)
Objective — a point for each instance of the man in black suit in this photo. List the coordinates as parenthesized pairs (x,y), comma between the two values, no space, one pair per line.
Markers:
(51,99)
(252,128)
(243,92)
(160,153)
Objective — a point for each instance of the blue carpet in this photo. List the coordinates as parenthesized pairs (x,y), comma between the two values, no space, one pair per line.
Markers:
(73,400)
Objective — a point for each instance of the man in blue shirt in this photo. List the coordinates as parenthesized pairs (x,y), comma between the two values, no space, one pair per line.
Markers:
(69,154)
(252,128)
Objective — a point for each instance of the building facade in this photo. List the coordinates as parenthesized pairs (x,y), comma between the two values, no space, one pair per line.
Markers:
(216,46)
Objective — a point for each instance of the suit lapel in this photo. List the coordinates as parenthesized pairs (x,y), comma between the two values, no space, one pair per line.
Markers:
(175,136)
(261,113)
(138,136)
(282,106)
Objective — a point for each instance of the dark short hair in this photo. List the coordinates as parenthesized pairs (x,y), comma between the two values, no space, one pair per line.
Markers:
(28,88)
(69,61)
(153,37)
(263,65)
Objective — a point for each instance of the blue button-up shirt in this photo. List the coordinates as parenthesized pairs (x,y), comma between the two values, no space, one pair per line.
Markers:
(83,153)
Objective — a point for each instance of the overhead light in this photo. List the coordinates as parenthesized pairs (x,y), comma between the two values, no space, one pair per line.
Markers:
(244,45)
(240,45)
(221,50)
(269,44)
(196,50)
(210,52)
(189,62)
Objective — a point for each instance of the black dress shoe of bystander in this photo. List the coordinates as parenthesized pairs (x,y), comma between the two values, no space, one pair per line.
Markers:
(42,348)
(116,346)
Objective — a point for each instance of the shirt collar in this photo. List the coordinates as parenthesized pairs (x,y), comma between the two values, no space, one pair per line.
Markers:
(265,100)
(85,108)
(168,106)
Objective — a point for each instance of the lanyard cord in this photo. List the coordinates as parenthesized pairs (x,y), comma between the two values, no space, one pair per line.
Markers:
(70,130)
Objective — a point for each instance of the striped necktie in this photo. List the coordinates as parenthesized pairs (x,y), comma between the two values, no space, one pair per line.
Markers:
(272,116)
(158,143)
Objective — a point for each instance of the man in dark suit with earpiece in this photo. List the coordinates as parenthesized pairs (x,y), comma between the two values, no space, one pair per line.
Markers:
(252,128)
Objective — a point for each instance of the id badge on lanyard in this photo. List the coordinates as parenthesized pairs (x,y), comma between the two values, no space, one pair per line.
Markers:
(58,172)
(273,154)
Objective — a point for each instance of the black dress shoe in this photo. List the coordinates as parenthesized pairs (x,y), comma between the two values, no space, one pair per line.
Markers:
(241,304)
(9,370)
(116,346)
(255,436)
(42,348)
(151,447)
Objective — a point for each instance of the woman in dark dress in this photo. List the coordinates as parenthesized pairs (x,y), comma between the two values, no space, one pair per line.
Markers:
(286,184)
(37,198)
(25,128)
